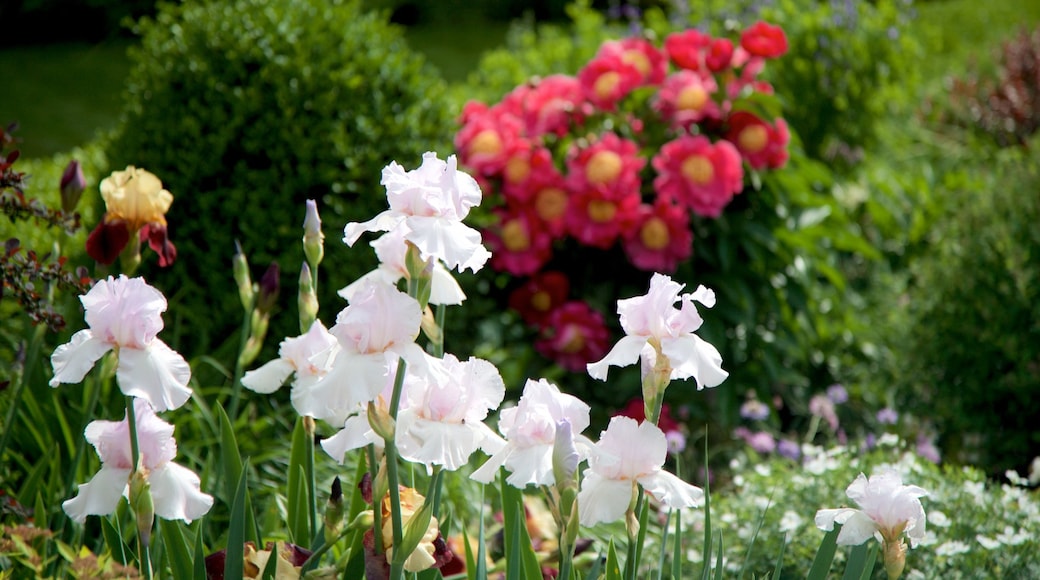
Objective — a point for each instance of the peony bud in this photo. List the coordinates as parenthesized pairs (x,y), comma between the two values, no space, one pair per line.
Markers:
(72,186)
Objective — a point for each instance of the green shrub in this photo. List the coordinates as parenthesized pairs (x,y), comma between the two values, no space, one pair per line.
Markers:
(972,339)
(245,110)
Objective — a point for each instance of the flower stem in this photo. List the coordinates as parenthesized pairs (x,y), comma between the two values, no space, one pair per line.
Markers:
(32,353)
(236,382)
(145,556)
(397,564)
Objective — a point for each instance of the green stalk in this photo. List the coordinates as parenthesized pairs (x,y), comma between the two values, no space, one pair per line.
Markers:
(145,556)
(439,315)
(312,493)
(236,383)
(397,564)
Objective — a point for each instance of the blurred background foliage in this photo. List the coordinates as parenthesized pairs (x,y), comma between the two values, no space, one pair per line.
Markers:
(896,254)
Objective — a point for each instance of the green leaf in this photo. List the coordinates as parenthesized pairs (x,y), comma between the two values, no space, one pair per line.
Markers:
(780,558)
(481,572)
(299,512)
(677,555)
(705,565)
(176,548)
(718,560)
(521,559)
(272,566)
(233,563)
(821,565)
(233,470)
(114,540)
(868,568)
(200,555)
(855,568)
(613,571)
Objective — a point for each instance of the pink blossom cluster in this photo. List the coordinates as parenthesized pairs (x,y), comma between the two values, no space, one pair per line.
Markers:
(643,140)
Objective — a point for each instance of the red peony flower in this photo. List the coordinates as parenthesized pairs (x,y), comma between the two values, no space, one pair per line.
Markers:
(764,39)
(607,78)
(719,54)
(518,244)
(762,145)
(702,176)
(686,98)
(539,297)
(574,335)
(527,161)
(687,48)
(545,194)
(661,238)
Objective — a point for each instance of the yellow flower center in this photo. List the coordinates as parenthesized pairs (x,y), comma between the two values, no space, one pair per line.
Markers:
(753,138)
(541,301)
(654,234)
(692,98)
(605,84)
(603,167)
(698,169)
(551,203)
(637,59)
(487,142)
(601,211)
(573,339)
(517,169)
(514,236)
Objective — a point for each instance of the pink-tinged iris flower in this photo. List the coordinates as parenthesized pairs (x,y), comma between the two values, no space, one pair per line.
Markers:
(377,328)
(888,509)
(661,238)
(174,489)
(698,174)
(125,315)
(530,431)
(308,356)
(430,203)
(356,431)
(391,249)
(629,453)
(654,320)
(443,424)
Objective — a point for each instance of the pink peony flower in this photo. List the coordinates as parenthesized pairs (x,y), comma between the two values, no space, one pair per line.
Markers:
(698,174)
(764,39)
(609,167)
(598,221)
(486,136)
(574,335)
(539,296)
(686,98)
(661,237)
(608,78)
(719,55)
(551,104)
(519,245)
(528,163)
(651,63)
(760,144)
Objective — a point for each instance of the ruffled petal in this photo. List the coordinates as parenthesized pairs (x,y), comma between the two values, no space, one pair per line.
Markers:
(692,356)
(531,465)
(825,519)
(269,377)
(157,374)
(453,242)
(624,353)
(444,289)
(355,434)
(603,500)
(672,491)
(74,359)
(486,473)
(383,222)
(100,496)
(433,443)
(353,380)
(176,493)
(857,528)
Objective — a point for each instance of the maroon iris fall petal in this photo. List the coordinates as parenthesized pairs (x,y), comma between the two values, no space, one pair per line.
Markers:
(107,241)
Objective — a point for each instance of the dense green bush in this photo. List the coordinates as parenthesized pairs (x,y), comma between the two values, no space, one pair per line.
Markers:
(971,306)
(245,110)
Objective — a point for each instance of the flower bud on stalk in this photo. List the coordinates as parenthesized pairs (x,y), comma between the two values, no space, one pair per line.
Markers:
(313,238)
(269,288)
(307,299)
(73,184)
(141,502)
(240,270)
(334,511)
(895,558)
(381,421)
(430,328)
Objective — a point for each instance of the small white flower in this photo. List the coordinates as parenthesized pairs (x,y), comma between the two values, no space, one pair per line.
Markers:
(987,542)
(791,522)
(939,519)
(952,548)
